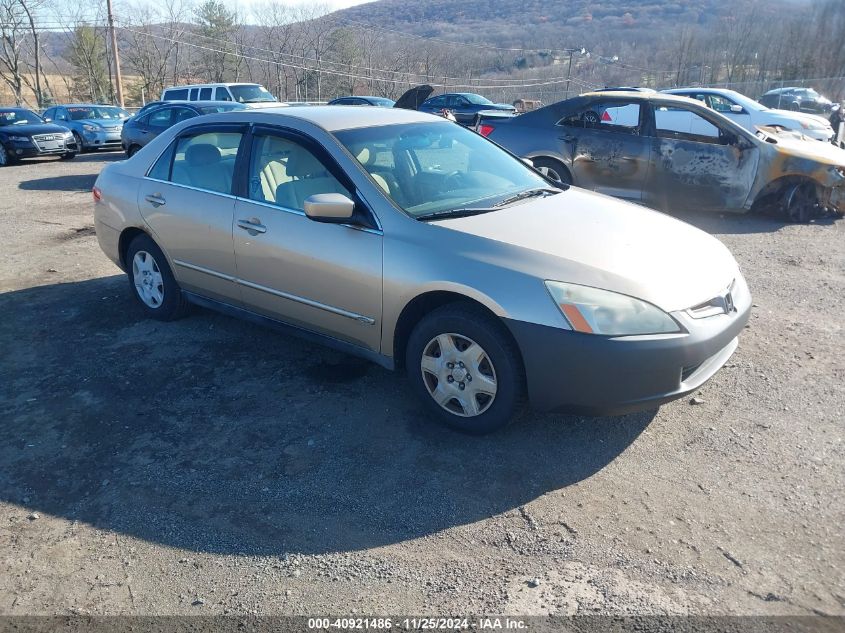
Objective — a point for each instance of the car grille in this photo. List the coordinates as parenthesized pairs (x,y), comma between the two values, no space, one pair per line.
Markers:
(112,128)
(48,141)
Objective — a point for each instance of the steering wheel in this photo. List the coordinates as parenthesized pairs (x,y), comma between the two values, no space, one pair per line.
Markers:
(453,180)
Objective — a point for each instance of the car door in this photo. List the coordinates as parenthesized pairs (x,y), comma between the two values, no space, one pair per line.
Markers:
(322,277)
(604,146)
(153,124)
(188,202)
(698,162)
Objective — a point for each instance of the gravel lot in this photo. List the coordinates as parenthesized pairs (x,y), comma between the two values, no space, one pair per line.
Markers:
(210,466)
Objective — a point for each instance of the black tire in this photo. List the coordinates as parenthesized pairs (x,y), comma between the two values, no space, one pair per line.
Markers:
(132,150)
(553,169)
(172,305)
(504,364)
(800,202)
(6,157)
(79,146)
(68,156)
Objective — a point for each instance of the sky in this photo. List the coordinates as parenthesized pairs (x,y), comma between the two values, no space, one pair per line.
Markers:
(61,10)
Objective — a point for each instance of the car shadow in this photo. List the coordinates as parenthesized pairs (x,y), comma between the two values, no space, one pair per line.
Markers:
(70,182)
(216,435)
(740,224)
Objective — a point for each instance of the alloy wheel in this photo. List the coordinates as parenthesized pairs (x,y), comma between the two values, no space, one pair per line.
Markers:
(4,158)
(146,276)
(459,375)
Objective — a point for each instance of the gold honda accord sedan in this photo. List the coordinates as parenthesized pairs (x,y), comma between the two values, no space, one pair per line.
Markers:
(417,243)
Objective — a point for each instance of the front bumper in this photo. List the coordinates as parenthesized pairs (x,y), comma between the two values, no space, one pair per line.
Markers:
(33,149)
(599,375)
(102,138)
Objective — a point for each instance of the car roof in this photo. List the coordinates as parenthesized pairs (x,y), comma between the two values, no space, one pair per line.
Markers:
(640,96)
(206,102)
(85,105)
(335,118)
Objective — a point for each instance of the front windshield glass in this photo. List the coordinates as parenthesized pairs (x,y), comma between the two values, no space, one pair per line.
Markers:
(428,168)
(251,93)
(478,99)
(78,113)
(745,102)
(18,117)
(382,101)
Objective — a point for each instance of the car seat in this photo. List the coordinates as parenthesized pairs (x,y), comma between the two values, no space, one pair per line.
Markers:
(308,177)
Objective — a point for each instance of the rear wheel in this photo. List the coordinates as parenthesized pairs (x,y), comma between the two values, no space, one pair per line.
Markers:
(152,282)
(552,169)
(133,149)
(464,366)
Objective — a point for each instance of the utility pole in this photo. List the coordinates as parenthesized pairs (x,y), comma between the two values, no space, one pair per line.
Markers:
(118,80)
(568,74)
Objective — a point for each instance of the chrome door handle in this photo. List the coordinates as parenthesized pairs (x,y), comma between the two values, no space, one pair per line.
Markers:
(156,200)
(253,225)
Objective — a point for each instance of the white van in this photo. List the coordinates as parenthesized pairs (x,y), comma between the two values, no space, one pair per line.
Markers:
(252,95)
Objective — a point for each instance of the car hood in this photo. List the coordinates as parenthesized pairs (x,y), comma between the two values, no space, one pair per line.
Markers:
(587,238)
(412,98)
(33,128)
(101,122)
(825,153)
(500,106)
(803,116)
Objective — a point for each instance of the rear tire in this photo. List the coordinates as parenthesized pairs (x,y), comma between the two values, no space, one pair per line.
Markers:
(6,157)
(152,282)
(553,169)
(133,149)
(464,366)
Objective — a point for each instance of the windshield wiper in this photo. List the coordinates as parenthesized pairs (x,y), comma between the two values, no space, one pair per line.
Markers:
(530,193)
(453,213)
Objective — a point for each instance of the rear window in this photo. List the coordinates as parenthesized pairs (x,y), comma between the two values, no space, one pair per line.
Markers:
(205,94)
(176,94)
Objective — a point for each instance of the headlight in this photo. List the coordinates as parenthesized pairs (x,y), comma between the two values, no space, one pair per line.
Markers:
(90,128)
(68,134)
(19,139)
(593,311)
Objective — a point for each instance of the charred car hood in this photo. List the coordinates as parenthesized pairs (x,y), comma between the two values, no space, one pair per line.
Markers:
(586,238)
(825,153)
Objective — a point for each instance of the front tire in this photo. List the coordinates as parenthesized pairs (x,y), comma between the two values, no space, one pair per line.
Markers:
(152,282)
(6,157)
(132,150)
(80,147)
(465,367)
(552,169)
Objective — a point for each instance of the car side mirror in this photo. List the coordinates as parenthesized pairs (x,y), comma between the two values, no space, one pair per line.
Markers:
(737,109)
(329,207)
(47,119)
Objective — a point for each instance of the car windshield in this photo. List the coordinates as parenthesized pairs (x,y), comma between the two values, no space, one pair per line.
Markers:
(18,117)
(433,168)
(477,99)
(222,107)
(382,101)
(251,93)
(745,102)
(78,113)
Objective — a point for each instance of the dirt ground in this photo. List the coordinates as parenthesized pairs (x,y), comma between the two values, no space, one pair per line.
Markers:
(210,466)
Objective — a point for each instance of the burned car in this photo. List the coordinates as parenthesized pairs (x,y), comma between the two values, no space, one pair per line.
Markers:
(673,154)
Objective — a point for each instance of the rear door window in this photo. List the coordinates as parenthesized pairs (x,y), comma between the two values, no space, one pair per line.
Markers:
(160,118)
(194,93)
(612,116)
(203,160)
(205,94)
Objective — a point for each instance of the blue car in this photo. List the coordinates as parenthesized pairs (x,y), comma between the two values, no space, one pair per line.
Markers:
(464,105)
(94,126)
